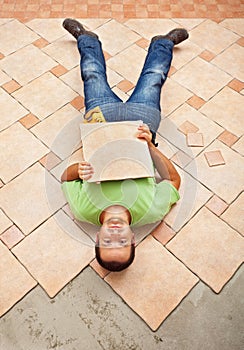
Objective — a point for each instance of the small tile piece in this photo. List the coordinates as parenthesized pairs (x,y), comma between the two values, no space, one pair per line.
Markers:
(214,158)
(216,205)
(188,127)
(99,269)
(50,160)
(11,86)
(196,102)
(240,41)
(181,159)
(234,214)
(207,55)
(78,102)
(143,43)
(236,85)
(163,233)
(12,236)
(172,70)
(29,120)
(59,70)
(194,139)
(107,56)
(228,138)
(40,43)
(125,85)
(5,223)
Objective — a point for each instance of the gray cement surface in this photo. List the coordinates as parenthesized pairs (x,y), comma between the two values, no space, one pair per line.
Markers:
(88,315)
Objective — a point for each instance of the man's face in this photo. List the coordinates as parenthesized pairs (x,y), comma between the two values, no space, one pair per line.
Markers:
(114,239)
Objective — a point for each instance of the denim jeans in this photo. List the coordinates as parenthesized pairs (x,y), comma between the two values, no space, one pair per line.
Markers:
(144,103)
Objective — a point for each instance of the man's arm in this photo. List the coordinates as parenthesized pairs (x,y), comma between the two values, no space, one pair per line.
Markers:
(82,170)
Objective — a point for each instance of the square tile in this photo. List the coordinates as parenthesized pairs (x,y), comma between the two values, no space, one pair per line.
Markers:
(225,104)
(27,64)
(195,139)
(50,160)
(181,159)
(196,102)
(214,158)
(61,131)
(216,205)
(212,43)
(11,236)
(44,95)
(73,79)
(163,233)
(185,53)
(234,24)
(50,29)
(188,127)
(231,61)
(228,138)
(147,282)
(5,223)
(29,120)
(219,178)
(11,110)
(59,70)
(213,252)
(11,86)
(239,146)
(16,35)
(203,85)
(15,281)
(151,27)
(236,85)
(52,256)
(189,23)
(234,214)
(40,200)
(16,161)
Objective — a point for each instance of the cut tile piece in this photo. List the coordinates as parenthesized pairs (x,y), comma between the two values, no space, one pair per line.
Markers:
(40,200)
(163,233)
(52,256)
(44,95)
(188,127)
(15,281)
(16,161)
(216,205)
(12,236)
(209,248)
(194,139)
(5,223)
(235,213)
(147,282)
(228,138)
(214,158)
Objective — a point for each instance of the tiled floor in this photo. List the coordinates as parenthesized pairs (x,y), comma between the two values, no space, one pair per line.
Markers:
(42,100)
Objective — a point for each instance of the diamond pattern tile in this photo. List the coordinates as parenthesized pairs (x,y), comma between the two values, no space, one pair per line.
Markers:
(17,160)
(234,214)
(147,280)
(213,252)
(184,53)
(214,158)
(52,256)
(11,236)
(15,281)
(44,95)
(50,30)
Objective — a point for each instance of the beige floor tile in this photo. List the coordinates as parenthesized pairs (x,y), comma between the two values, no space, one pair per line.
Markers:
(219,178)
(239,146)
(209,248)
(52,256)
(192,197)
(27,64)
(165,147)
(203,85)
(12,236)
(73,79)
(38,201)
(184,53)
(93,23)
(207,127)
(151,27)
(195,140)
(49,29)
(44,95)
(5,223)
(61,131)
(113,77)
(147,285)
(21,150)
(76,157)
(234,215)
(231,61)
(4,78)
(64,51)
(226,108)
(5,20)
(16,35)
(188,23)
(212,43)
(134,57)
(15,281)
(234,24)
(11,110)
(173,95)
(216,205)
(124,37)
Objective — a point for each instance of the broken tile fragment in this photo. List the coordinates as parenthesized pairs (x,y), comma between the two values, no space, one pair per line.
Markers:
(214,158)
(187,127)
(194,139)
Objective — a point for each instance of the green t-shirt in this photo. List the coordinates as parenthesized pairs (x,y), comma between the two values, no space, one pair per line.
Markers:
(146,201)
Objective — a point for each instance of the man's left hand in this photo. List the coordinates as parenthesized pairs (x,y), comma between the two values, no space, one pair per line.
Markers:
(144,133)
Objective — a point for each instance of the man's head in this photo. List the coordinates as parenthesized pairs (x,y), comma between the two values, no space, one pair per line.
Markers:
(115,246)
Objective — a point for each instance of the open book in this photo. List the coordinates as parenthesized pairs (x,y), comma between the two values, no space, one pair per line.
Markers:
(115,152)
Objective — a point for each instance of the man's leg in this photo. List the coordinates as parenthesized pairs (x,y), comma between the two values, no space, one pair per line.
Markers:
(156,67)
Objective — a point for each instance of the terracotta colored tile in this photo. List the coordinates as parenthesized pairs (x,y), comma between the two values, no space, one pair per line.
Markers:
(228,138)
(236,85)
(214,253)
(50,161)
(5,222)
(1,56)
(29,120)
(147,281)
(216,205)
(107,56)
(40,43)
(196,102)
(78,102)
(172,70)
(125,85)
(194,139)
(187,127)
(181,159)
(52,256)
(163,233)
(99,269)
(207,55)
(143,43)
(11,86)
(234,214)
(59,70)
(12,236)
(20,283)
(240,42)
(214,158)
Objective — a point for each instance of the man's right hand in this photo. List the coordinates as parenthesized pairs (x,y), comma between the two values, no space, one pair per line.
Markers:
(85,170)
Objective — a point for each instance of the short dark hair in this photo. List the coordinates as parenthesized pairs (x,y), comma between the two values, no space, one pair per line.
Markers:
(115,265)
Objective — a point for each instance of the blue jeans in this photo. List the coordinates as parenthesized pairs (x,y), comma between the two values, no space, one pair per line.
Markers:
(144,103)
